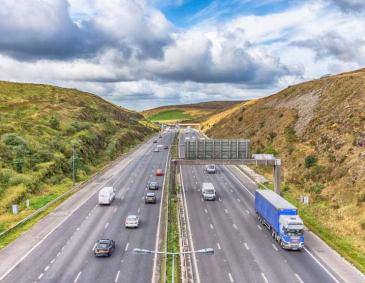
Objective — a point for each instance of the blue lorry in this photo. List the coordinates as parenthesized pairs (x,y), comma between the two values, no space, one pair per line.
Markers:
(281,218)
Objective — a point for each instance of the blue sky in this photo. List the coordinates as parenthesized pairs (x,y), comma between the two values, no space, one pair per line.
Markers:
(146,53)
(191,12)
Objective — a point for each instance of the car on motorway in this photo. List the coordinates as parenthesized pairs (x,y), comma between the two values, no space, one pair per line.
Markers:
(154,141)
(166,146)
(160,136)
(104,247)
(150,198)
(153,185)
(211,169)
(132,221)
(156,149)
(159,172)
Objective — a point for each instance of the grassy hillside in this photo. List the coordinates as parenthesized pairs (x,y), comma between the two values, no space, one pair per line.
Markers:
(40,125)
(188,112)
(317,129)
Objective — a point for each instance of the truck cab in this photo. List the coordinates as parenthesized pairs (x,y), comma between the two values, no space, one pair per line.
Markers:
(291,231)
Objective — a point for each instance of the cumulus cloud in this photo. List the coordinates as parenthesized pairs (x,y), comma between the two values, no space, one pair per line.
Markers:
(128,52)
(350,6)
(336,46)
(45,30)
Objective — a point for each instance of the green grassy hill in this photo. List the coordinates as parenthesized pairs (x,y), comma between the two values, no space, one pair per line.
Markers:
(317,129)
(40,125)
(187,112)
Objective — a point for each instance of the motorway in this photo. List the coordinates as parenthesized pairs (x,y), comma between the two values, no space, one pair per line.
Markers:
(244,249)
(66,253)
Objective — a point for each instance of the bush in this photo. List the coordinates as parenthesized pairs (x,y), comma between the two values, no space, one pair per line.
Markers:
(54,123)
(310,160)
(240,119)
(317,188)
(290,134)
(271,136)
(13,139)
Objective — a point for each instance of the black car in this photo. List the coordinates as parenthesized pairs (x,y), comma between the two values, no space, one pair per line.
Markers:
(104,247)
(152,186)
(150,198)
(155,141)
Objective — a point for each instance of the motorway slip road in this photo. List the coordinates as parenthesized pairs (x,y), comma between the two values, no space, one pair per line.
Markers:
(60,247)
(244,249)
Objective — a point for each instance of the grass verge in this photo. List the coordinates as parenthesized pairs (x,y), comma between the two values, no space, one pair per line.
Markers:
(173,235)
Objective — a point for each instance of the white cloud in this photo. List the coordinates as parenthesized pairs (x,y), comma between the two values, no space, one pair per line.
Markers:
(127,51)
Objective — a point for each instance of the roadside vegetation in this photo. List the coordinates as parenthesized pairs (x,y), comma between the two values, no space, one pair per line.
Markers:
(173,236)
(317,130)
(41,126)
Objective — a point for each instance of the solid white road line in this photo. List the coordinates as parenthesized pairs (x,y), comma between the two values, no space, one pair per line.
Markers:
(117,277)
(93,247)
(258,226)
(197,279)
(77,277)
(139,210)
(246,246)
(247,211)
(229,171)
(126,247)
(321,265)
(205,210)
(298,277)
(264,277)
(230,277)
(211,226)
(106,225)
(219,246)
(235,226)
(274,247)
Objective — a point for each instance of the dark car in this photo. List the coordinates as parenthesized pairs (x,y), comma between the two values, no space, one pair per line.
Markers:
(166,146)
(152,186)
(104,247)
(155,141)
(150,198)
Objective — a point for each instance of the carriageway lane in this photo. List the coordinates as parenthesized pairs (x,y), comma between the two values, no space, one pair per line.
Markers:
(276,265)
(65,253)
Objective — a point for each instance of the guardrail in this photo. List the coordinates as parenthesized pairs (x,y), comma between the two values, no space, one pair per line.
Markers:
(72,190)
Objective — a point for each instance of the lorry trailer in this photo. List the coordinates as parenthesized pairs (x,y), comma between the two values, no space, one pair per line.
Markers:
(281,218)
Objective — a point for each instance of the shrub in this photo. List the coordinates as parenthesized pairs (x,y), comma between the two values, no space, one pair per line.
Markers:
(271,136)
(290,134)
(240,119)
(54,123)
(317,188)
(13,139)
(310,161)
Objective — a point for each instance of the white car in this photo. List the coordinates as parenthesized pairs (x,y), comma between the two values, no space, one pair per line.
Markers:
(132,221)
(156,149)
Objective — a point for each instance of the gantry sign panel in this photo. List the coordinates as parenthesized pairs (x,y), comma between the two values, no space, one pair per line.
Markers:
(217,149)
